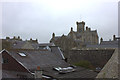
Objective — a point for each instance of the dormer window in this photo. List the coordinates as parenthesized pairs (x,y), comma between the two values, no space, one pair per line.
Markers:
(15,43)
(47,47)
(22,54)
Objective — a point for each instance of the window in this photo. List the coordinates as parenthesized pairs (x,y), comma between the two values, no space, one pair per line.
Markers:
(14,44)
(4,60)
(22,54)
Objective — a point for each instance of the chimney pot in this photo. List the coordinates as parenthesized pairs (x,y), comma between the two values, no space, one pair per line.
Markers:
(86,27)
(7,38)
(38,67)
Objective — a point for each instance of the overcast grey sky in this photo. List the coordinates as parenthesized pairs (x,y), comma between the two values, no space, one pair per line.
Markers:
(39,19)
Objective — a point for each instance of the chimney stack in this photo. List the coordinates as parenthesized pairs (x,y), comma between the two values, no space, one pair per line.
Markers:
(71,29)
(18,37)
(86,28)
(38,72)
(101,39)
(36,40)
(14,37)
(30,39)
(53,35)
(7,37)
(114,38)
(89,29)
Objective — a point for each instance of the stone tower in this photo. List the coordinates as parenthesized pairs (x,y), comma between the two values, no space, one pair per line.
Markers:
(80,26)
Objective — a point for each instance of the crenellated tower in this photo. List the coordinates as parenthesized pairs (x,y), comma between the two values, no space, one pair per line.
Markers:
(80,26)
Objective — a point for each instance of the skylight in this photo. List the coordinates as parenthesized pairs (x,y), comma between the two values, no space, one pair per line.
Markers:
(59,68)
(64,70)
(22,54)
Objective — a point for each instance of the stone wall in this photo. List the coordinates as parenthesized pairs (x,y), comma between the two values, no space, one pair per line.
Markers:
(110,70)
(97,57)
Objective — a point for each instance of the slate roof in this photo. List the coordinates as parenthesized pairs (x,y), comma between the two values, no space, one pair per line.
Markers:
(18,44)
(105,44)
(78,73)
(56,50)
(8,74)
(47,44)
(111,69)
(109,43)
(47,60)
(101,46)
(42,58)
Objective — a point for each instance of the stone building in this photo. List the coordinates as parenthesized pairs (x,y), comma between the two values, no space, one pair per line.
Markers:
(17,43)
(111,44)
(76,39)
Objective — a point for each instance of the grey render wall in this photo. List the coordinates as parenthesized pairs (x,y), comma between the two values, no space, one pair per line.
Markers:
(98,58)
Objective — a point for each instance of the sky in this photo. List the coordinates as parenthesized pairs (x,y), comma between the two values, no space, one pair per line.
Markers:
(40,18)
